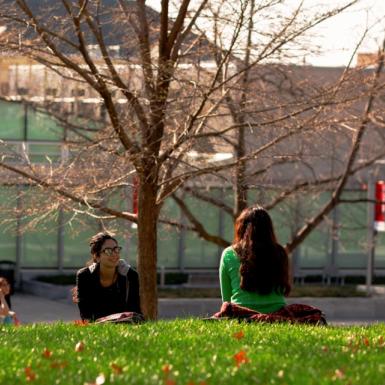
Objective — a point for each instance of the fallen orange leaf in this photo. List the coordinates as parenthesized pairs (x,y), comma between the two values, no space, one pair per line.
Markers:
(166,368)
(240,358)
(239,335)
(29,374)
(80,322)
(365,341)
(46,353)
(168,381)
(116,368)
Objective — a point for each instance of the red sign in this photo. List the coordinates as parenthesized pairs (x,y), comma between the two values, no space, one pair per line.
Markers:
(379,213)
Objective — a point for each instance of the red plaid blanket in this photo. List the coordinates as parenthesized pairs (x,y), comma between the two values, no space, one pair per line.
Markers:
(125,317)
(295,313)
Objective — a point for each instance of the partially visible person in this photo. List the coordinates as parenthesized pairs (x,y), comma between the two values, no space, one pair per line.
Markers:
(254,270)
(7,316)
(108,285)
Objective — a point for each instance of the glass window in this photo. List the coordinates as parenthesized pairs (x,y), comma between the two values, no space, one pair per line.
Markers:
(8,223)
(199,253)
(352,235)
(228,220)
(40,246)
(168,236)
(315,250)
(77,232)
(39,229)
(12,120)
(11,151)
(43,127)
(379,255)
(40,153)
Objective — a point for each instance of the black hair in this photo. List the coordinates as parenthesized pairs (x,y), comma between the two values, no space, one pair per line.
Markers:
(96,243)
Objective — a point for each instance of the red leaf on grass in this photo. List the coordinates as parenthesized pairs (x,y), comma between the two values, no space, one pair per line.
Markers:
(79,347)
(240,358)
(30,375)
(239,335)
(80,322)
(169,381)
(116,368)
(46,353)
(365,341)
(166,368)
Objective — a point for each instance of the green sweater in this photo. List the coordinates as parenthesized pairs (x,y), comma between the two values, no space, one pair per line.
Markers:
(230,280)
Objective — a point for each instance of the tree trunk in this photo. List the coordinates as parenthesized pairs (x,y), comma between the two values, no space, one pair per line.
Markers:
(147,247)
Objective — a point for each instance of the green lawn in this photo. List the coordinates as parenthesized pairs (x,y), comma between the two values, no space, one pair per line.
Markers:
(192,352)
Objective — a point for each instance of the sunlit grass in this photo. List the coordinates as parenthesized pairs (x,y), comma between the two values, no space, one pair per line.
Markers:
(192,352)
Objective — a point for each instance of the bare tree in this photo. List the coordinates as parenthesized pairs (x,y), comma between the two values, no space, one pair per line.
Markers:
(299,123)
(172,98)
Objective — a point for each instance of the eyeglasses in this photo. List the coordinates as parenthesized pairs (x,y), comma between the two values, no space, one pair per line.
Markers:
(109,250)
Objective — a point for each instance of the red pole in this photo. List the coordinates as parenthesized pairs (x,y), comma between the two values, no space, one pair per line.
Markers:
(379,211)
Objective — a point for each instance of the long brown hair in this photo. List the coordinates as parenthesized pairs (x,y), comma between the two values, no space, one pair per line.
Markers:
(264,262)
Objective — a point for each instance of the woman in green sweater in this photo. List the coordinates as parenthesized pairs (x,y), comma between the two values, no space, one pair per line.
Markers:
(254,271)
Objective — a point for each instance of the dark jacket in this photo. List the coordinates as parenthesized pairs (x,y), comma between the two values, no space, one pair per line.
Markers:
(96,301)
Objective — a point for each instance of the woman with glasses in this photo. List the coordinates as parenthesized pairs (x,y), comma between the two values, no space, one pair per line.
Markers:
(108,285)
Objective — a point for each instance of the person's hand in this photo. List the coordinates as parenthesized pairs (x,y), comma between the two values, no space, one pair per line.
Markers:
(75,298)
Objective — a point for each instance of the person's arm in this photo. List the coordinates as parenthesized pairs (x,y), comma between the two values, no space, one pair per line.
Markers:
(133,301)
(4,309)
(84,296)
(224,280)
